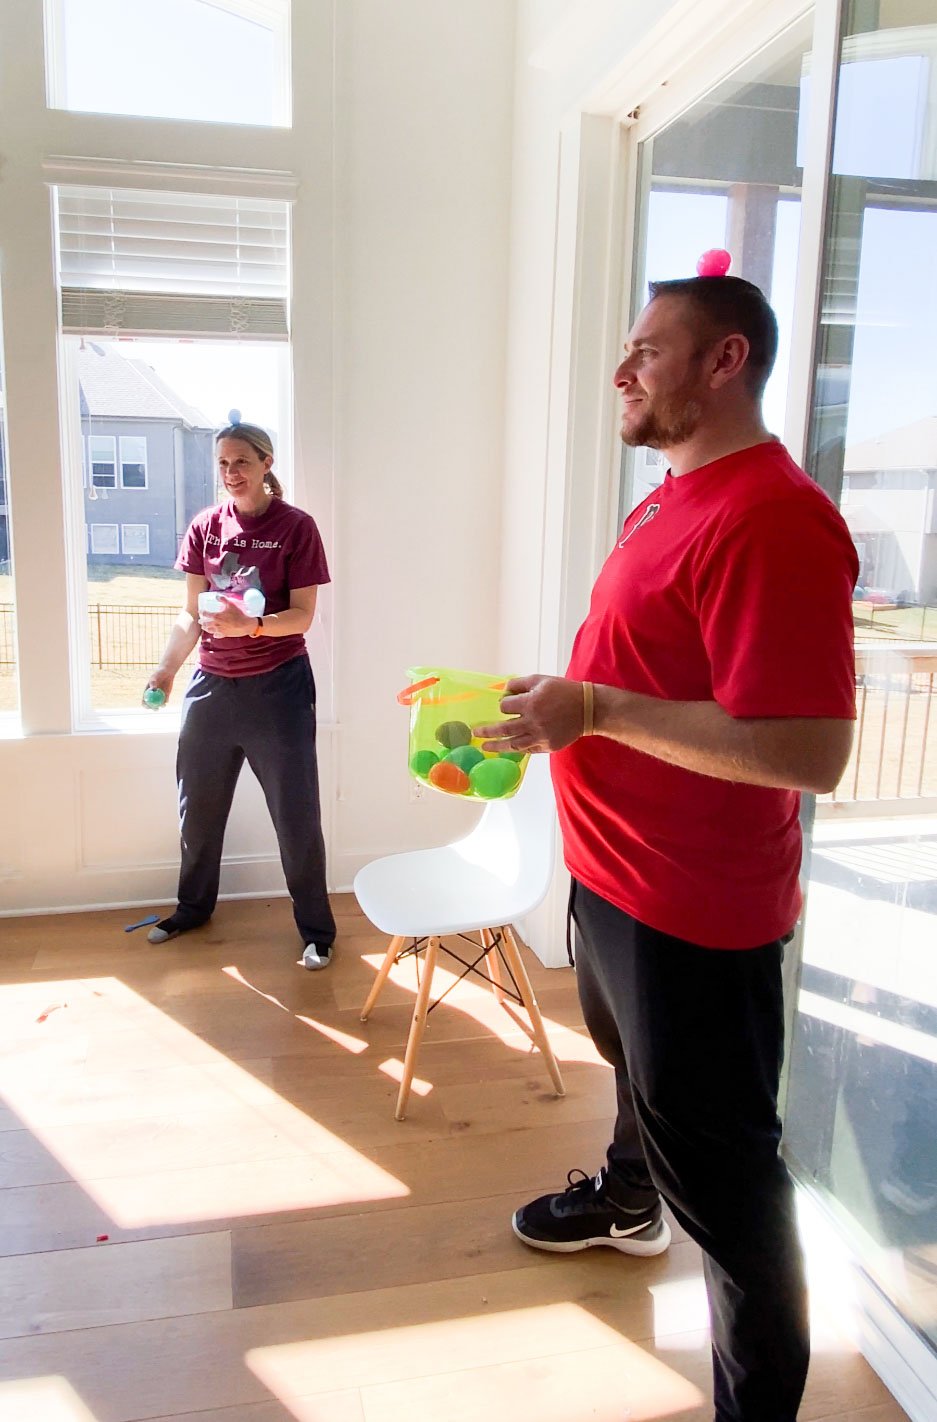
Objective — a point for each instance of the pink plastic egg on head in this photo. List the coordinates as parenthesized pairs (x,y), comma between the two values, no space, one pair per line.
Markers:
(714,263)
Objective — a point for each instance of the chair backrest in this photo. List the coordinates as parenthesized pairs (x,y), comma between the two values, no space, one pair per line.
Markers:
(515,839)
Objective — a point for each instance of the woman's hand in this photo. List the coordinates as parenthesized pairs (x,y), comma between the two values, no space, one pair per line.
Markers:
(231,622)
(160,680)
(548,713)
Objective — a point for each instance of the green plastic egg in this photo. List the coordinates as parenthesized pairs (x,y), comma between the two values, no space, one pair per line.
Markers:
(491,779)
(453,733)
(465,757)
(422,762)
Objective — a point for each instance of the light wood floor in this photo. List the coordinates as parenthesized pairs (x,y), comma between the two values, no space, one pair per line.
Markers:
(277,1248)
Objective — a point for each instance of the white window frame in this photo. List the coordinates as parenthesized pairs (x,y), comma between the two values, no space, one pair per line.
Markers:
(91,461)
(273,14)
(134,552)
(661,110)
(4,471)
(60,146)
(649,118)
(104,552)
(134,488)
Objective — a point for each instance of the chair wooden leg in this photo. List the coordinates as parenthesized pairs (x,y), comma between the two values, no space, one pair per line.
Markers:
(390,957)
(516,964)
(494,963)
(420,1010)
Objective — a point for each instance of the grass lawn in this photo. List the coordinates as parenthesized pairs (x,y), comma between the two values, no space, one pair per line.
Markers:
(116,687)
(123,586)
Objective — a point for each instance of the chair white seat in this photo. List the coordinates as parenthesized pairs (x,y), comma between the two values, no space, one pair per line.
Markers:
(482,883)
(434,891)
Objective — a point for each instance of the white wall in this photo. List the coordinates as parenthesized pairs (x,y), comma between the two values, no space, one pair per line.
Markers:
(400,290)
(423,166)
(556,503)
(566,52)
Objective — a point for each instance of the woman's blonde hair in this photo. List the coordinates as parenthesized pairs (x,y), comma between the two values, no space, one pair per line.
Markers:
(258,440)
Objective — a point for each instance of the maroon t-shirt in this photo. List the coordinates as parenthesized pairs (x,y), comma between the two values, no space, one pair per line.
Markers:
(731,583)
(277,551)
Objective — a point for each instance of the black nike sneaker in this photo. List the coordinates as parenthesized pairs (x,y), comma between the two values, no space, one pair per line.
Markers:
(583,1216)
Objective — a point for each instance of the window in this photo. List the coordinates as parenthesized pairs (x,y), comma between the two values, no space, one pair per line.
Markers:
(172,59)
(135,539)
(174,311)
(9,696)
(133,462)
(104,538)
(861,1118)
(103,456)
(185,390)
(725,174)
(140,263)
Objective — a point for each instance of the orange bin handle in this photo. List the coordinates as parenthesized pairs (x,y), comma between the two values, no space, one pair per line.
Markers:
(408,695)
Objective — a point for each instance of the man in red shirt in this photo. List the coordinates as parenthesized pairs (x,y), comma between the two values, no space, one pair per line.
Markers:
(711,682)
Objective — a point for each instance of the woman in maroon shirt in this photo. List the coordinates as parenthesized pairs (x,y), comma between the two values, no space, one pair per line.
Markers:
(252,696)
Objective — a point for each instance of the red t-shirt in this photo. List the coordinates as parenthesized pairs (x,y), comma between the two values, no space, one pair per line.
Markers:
(730,583)
(276,552)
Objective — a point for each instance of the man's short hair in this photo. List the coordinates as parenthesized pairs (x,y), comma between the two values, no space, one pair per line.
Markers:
(731,306)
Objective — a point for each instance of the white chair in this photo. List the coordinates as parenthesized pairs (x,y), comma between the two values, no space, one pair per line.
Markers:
(480,884)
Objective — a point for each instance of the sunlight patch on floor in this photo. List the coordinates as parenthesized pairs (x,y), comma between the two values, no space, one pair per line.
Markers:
(393,1068)
(680,1306)
(42,1400)
(155,1124)
(472,1366)
(341,1039)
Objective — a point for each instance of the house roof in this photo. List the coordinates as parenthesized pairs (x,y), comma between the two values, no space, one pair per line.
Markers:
(111,386)
(910,447)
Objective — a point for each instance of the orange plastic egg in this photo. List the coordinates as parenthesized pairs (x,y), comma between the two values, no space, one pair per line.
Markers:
(446,775)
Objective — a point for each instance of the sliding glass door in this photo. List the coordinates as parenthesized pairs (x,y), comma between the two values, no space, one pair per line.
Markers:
(861,1119)
(734,170)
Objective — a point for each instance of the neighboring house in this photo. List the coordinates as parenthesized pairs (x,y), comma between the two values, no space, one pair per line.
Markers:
(890,504)
(147,456)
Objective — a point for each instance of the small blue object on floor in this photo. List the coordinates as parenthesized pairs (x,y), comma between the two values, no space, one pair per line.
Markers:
(153,918)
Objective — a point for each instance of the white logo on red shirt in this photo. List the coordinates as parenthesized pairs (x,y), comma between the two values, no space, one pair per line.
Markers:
(650,512)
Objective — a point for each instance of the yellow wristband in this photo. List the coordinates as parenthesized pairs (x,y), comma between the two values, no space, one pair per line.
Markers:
(588,698)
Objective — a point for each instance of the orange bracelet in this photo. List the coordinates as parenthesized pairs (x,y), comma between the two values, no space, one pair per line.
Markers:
(588,703)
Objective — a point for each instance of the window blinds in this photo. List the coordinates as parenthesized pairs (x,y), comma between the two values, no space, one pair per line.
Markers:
(143,263)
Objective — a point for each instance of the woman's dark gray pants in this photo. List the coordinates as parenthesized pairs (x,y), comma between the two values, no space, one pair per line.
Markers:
(270,721)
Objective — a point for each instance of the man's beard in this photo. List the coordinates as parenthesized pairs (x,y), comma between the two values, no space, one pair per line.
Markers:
(671,423)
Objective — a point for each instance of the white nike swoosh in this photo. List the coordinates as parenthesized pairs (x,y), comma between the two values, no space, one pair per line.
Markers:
(617,1233)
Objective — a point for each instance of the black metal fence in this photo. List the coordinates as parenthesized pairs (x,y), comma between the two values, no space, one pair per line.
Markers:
(128,636)
(7,644)
(131,636)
